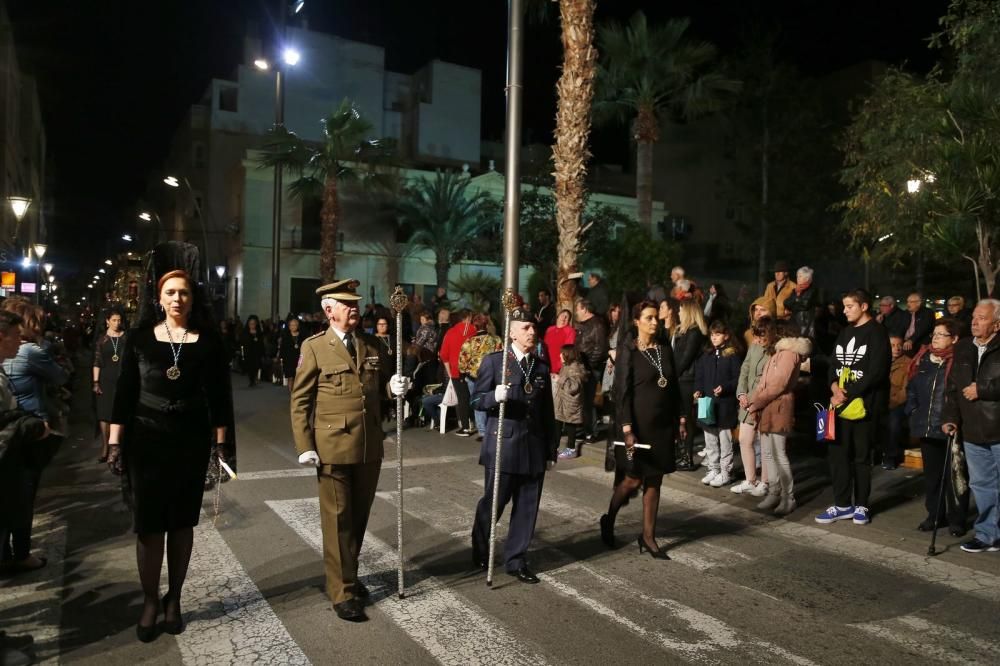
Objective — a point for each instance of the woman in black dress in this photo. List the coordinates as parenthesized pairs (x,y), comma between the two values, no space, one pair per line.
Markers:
(171,404)
(289,344)
(108,354)
(649,413)
(252,349)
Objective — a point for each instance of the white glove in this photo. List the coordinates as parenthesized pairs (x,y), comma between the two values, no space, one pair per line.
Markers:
(309,458)
(500,393)
(399,385)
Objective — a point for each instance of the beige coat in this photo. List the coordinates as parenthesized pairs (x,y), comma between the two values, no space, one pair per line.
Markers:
(569,393)
(773,401)
(335,402)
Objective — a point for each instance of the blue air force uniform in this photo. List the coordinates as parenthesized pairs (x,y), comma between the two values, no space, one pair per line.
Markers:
(529,442)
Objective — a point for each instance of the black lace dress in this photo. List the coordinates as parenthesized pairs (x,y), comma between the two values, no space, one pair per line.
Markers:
(652,410)
(108,357)
(169,426)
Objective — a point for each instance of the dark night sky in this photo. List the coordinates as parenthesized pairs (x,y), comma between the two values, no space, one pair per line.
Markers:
(116,76)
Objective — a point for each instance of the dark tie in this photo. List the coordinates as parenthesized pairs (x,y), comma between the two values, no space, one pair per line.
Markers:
(349,343)
(524,364)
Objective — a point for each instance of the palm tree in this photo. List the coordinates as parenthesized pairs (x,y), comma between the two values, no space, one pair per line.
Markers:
(346,153)
(442,218)
(571,151)
(649,74)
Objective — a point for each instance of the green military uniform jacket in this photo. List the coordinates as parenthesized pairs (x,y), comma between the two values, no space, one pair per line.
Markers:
(335,404)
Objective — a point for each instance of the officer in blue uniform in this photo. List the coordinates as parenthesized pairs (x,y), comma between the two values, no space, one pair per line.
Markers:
(530,441)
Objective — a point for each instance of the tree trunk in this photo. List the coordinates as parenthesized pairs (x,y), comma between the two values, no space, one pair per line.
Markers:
(647,133)
(329,217)
(571,151)
(765,166)
(441,268)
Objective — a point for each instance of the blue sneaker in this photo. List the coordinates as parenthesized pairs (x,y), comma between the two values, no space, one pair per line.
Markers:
(835,513)
(567,454)
(861,515)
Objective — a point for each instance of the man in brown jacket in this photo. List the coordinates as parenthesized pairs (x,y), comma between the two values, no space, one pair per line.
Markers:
(780,289)
(337,425)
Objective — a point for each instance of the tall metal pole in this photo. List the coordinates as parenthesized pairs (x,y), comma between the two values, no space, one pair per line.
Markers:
(399,301)
(279,123)
(511,222)
(512,143)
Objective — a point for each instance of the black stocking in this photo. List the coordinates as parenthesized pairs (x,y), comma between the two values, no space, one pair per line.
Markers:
(179,544)
(149,557)
(620,496)
(650,506)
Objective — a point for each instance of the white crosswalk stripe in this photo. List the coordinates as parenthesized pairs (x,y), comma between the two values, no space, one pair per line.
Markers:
(449,628)
(386,465)
(709,636)
(229,621)
(963,579)
(933,640)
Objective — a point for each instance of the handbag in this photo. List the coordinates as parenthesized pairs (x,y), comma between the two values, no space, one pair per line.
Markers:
(706,410)
(450,398)
(855,409)
(826,423)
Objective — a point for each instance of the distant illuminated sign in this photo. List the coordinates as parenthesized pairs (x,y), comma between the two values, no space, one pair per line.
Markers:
(27,287)
(8,279)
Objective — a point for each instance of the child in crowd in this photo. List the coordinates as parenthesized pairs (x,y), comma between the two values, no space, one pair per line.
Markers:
(717,373)
(773,405)
(750,372)
(569,398)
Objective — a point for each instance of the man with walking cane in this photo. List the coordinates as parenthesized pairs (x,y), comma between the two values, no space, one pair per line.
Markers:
(337,426)
(972,404)
(528,445)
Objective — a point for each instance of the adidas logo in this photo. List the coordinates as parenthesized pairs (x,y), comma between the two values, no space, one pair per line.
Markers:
(850,356)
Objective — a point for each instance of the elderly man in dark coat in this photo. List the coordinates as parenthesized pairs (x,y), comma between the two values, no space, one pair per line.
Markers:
(529,443)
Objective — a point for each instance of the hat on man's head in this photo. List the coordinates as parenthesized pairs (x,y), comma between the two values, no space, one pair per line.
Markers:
(781,267)
(521,314)
(341,290)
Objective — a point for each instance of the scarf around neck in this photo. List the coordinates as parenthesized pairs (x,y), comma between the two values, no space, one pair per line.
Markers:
(946,356)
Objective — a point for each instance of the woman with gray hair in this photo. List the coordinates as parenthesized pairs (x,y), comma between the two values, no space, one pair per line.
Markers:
(803,304)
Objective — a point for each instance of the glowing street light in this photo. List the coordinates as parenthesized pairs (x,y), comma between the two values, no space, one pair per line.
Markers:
(108,262)
(41,249)
(48,268)
(262,64)
(52,278)
(26,261)
(291,56)
(127,238)
(298,6)
(145,217)
(172,181)
(220,271)
(101,270)
(19,205)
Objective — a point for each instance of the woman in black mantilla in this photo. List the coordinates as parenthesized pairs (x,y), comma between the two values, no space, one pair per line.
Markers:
(173,403)
(289,342)
(649,413)
(253,349)
(108,354)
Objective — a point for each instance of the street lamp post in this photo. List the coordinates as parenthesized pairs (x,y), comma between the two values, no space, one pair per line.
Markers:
(40,250)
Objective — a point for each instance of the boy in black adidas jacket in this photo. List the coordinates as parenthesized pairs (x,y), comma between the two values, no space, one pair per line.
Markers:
(862,353)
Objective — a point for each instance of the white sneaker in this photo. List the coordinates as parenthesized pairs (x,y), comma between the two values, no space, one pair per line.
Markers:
(708,478)
(759,490)
(742,487)
(701,454)
(721,479)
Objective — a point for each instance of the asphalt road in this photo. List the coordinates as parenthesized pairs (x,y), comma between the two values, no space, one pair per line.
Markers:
(742,587)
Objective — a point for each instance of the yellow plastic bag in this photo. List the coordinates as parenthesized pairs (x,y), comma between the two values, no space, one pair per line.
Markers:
(855,409)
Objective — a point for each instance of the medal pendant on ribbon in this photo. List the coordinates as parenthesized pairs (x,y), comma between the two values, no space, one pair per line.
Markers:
(528,388)
(173,372)
(114,359)
(662,382)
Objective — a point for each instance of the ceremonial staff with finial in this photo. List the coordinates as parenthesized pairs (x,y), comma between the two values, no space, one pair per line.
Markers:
(398,301)
(508,302)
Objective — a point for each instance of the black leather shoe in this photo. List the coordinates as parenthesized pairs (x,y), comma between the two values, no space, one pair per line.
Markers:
(360,590)
(350,610)
(524,575)
(928,525)
(479,561)
(957,530)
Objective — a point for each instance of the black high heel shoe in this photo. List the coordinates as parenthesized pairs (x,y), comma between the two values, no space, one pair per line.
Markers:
(655,554)
(607,531)
(172,627)
(147,634)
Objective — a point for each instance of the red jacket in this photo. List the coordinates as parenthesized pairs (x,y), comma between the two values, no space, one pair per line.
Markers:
(452,345)
(555,338)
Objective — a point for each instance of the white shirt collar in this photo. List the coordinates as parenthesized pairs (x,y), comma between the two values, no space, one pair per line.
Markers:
(518,354)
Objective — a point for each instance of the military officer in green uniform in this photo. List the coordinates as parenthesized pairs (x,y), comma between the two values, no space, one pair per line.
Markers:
(335,402)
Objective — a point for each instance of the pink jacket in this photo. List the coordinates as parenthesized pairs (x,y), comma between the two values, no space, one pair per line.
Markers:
(773,400)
